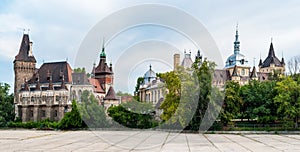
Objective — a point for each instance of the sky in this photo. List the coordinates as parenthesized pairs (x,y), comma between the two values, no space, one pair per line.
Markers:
(58,29)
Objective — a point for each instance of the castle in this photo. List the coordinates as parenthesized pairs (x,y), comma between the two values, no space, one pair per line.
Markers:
(236,69)
(47,92)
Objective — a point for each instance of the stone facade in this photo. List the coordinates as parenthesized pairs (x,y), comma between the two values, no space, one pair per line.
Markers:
(48,92)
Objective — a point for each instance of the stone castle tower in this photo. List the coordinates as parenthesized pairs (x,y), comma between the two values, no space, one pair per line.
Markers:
(103,72)
(24,64)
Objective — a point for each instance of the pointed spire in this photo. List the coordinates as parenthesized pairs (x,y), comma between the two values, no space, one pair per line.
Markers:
(26,87)
(282,59)
(25,51)
(103,55)
(253,73)
(234,73)
(236,42)
(49,77)
(63,85)
(271,50)
(38,87)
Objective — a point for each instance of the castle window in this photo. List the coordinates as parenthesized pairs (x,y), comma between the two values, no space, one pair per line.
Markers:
(55,113)
(43,113)
(31,113)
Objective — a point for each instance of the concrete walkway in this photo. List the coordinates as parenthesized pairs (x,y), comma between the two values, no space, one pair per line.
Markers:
(139,141)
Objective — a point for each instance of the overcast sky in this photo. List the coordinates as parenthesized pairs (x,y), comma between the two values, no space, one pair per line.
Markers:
(57,29)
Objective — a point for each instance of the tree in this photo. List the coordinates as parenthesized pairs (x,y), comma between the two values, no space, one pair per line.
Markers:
(91,112)
(139,81)
(294,65)
(133,115)
(258,101)
(6,105)
(72,119)
(288,100)
(232,102)
(204,73)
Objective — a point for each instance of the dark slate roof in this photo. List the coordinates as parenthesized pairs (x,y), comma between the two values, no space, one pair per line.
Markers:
(271,59)
(220,75)
(23,54)
(80,78)
(253,74)
(110,94)
(54,69)
(234,73)
(102,66)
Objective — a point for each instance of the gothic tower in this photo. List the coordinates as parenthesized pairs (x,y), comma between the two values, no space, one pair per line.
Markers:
(24,64)
(104,73)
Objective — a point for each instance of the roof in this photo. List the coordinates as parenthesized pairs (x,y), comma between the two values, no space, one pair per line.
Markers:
(111,95)
(23,54)
(187,61)
(96,84)
(80,78)
(253,73)
(149,76)
(102,67)
(54,69)
(220,75)
(271,59)
(234,73)
(236,59)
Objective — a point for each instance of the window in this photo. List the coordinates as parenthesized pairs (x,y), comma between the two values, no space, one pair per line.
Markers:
(55,113)
(43,113)
(31,113)
(243,71)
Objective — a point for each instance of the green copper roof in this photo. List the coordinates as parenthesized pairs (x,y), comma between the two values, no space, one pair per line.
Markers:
(103,53)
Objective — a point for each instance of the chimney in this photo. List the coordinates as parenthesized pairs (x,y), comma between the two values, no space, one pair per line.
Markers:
(30,49)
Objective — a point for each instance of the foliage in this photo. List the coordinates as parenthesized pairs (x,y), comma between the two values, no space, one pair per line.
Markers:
(91,112)
(258,101)
(204,74)
(72,119)
(139,81)
(133,115)
(120,93)
(232,102)
(79,70)
(6,105)
(288,99)
(44,124)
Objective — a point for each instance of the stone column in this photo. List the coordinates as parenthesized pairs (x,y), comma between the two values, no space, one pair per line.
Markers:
(36,113)
(48,112)
(24,113)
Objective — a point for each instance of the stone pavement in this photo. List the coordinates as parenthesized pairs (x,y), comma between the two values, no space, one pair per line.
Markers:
(140,141)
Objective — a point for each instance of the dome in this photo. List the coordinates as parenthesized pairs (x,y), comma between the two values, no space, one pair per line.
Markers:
(149,76)
(237,59)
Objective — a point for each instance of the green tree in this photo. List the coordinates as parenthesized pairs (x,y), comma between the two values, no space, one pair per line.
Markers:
(258,101)
(232,102)
(204,73)
(172,99)
(133,115)
(72,119)
(139,81)
(288,100)
(91,112)
(6,105)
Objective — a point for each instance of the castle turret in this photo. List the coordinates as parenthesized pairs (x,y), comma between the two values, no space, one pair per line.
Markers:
(24,64)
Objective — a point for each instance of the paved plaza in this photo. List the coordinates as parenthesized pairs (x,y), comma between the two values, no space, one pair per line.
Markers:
(139,141)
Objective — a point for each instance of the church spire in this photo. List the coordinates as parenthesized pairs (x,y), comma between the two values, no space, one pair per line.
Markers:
(103,55)
(236,42)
